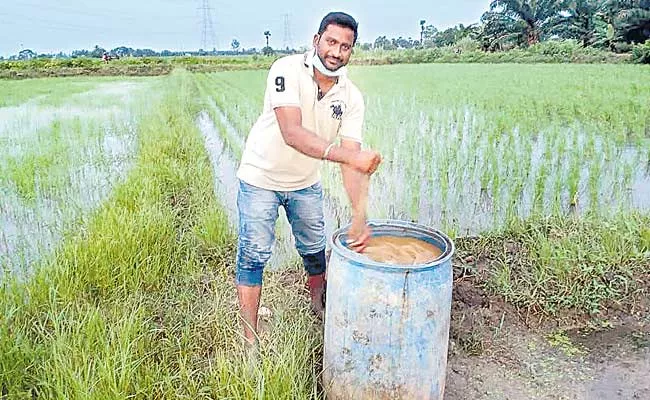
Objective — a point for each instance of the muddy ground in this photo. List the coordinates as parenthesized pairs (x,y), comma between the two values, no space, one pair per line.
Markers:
(497,353)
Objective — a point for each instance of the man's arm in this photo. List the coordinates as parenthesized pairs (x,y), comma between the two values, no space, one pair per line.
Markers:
(310,144)
(351,177)
(356,186)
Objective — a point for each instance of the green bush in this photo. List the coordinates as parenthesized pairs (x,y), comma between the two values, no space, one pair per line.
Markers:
(564,49)
(80,62)
(467,44)
(641,53)
(466,51)
(622,47)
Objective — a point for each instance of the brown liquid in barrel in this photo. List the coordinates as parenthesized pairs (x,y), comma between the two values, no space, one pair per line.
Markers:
(400,250)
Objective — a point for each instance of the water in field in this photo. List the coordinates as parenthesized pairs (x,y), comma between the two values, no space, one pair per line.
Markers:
(467,151)
(463,151)
(439,170)
(59,162)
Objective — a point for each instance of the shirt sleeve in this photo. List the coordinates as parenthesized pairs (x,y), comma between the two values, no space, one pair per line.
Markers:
(352,121)
(283,86)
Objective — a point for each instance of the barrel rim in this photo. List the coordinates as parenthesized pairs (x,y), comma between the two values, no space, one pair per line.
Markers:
(356,258)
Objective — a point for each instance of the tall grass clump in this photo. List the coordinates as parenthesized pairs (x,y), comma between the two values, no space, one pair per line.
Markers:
(585,264)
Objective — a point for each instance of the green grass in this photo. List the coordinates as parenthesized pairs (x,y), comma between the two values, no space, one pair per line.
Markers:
(61,154)
(44,160)
(557,265)
(468,129)
(141,302)
(597,98)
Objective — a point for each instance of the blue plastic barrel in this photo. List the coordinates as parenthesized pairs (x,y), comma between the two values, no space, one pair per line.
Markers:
(386,325)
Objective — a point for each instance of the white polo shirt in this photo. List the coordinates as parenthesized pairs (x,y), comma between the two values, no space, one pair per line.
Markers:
(268,162)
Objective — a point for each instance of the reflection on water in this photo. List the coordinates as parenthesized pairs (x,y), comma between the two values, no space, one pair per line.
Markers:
(94,149)
(444,170)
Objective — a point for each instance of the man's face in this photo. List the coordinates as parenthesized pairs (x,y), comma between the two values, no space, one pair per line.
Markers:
(334,46)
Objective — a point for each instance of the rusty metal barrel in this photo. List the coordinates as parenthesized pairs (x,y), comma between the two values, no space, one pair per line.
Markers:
(387,325)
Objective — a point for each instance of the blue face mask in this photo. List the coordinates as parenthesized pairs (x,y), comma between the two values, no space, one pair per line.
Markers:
(324,70)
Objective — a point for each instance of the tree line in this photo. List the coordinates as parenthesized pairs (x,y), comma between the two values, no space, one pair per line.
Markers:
(609,24)
(123,51)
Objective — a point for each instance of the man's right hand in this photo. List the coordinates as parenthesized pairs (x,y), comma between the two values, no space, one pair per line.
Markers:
(366,161)
(359,234)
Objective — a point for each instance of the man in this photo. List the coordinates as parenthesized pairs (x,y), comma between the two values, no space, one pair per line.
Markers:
(309,103)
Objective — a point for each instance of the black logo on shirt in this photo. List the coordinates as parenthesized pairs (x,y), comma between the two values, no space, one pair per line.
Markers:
(338,108)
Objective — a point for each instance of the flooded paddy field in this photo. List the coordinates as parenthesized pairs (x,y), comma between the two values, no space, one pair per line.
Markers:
(471,149)
(118,229)
(63,150)
(466,149)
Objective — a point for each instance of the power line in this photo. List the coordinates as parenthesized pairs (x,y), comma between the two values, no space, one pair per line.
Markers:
(104,13)
(61,26)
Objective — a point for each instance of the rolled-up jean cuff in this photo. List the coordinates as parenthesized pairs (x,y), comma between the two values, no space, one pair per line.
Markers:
(248,277)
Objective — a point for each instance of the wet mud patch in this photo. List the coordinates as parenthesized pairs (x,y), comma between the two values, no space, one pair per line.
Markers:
(499,351)
(602,344)
(620,357)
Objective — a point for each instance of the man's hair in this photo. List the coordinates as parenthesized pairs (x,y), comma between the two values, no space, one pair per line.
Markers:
(340,19)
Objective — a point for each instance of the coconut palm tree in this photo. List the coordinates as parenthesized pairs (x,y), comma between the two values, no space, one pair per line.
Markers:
(584,20)
(500,32)
(538,15)
(267,34)
(630,19)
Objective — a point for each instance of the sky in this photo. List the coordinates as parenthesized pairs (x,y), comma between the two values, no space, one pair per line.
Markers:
(66,25)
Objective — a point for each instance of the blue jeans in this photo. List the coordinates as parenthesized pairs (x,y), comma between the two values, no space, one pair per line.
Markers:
(258,213)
